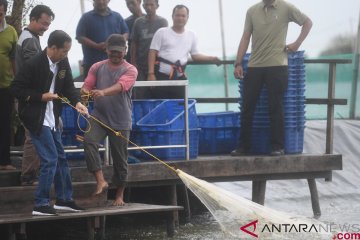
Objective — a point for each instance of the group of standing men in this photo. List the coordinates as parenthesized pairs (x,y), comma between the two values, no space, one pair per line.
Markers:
(157,52)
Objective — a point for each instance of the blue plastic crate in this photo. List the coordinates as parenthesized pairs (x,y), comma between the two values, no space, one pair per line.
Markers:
(141,108)
(70,117)
(162,138)
(169,115)
(293,140)
(69,141)
(218,140)
(219,119)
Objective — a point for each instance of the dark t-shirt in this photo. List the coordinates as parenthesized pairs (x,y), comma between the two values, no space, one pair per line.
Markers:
(142,34)
(98,28)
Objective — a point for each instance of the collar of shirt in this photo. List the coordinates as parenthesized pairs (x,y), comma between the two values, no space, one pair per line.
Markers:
(53,66)
(108,12)
(274,5)
(3,26)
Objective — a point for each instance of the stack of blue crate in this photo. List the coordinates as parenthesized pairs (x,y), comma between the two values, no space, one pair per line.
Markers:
(219,132)
(294,110)
(164,125)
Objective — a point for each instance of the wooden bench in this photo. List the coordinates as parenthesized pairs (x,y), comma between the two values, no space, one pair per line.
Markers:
(95,218)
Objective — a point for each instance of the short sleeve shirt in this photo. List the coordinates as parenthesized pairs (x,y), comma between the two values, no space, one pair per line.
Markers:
(174,46)
(142,34)
(8,39)
(114,110)
(268,27)
(98,28)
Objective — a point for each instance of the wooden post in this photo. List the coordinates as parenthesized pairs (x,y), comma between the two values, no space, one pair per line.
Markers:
(258,191)
(185,196)
(170,223)
(173,201)
(11,232)
(330,109)
(102,227)
(314,198)
(22,230)
(90,228)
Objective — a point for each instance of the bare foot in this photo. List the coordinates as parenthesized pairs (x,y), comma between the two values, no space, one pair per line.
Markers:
(118,203)
(119,198)
(101,187)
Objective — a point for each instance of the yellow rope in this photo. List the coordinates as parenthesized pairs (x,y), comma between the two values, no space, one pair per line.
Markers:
(117,133)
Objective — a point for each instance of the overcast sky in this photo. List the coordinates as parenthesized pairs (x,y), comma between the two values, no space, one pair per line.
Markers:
(330,18)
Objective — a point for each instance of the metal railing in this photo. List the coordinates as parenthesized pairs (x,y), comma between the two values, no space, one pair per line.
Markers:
(330,101)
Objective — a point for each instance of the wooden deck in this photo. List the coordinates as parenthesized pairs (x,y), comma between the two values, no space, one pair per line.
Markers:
(228,168)
(258,169)
(95,217)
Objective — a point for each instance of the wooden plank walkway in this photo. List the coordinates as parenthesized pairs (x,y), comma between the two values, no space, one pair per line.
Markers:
(257,169)
(227,168)
(95,217)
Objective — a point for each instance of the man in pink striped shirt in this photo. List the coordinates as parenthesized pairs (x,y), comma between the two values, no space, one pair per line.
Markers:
(110,83)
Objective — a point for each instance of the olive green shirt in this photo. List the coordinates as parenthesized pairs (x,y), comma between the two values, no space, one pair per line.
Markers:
(8,38)
(268,27)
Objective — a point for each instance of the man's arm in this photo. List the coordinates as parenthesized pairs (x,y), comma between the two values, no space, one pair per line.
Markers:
(112,90)
(243,46)
(305,29)
(151,64)
(123,84)
(13,66)
(90,43)
(20,86)
(30,48)
(205,58)
(133,51)
(126,36)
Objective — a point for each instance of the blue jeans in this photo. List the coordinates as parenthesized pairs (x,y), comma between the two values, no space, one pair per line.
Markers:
(54,167)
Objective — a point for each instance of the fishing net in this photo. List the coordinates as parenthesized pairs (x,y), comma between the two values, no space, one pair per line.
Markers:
(240,218)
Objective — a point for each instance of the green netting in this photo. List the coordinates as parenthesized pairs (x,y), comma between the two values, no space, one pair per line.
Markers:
(208,81)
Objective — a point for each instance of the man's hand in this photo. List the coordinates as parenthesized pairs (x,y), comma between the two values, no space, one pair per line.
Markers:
(101,46)
(97,93)
(82,109)
(292,47)
(239,72)
(151,77)
(217,61)
(46,97)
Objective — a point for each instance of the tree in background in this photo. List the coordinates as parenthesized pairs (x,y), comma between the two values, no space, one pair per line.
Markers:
(17,12)
(341,44)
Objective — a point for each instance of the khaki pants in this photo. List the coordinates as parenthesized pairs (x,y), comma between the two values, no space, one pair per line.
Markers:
(118,150)
(31,161)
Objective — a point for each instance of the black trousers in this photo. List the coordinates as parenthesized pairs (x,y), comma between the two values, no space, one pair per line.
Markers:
(6,106)
(276,80)
(167,92)
(141,92)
